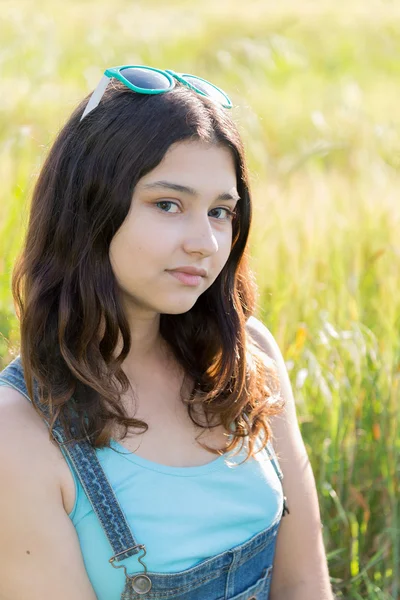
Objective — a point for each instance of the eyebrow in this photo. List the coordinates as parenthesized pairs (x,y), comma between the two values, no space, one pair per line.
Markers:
(188,190)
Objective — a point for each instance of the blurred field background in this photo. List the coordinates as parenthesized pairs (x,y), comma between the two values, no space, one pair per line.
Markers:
(316,89)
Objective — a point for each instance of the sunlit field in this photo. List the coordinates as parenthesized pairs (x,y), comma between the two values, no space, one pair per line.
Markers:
(316,89)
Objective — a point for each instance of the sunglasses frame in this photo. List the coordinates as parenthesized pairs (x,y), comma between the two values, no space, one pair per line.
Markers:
(171,76)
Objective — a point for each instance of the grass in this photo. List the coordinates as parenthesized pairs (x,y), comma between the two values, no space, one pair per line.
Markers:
(315,89)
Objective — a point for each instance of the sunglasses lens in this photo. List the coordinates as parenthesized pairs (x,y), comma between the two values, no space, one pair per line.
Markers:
(146,79)
(207,89)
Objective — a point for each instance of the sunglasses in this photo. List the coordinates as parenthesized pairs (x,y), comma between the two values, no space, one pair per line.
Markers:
(148,80)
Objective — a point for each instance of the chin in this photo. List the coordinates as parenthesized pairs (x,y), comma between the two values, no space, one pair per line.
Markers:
(178,308)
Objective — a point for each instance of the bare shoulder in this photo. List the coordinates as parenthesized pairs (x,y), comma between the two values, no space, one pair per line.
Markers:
(23,431)
(24,437)
(285,427)
(266,342)
(263,337)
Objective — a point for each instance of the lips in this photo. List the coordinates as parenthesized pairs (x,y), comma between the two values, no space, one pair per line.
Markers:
(190,271)
(186,278)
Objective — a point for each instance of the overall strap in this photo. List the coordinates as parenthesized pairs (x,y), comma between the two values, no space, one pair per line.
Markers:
(269,450)
(89,470)
(271,453)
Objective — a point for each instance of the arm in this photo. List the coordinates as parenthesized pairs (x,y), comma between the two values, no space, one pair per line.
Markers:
(300,565)
(39,548)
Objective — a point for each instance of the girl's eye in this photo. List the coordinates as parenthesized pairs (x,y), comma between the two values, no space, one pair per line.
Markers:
(165,202)
(229,213)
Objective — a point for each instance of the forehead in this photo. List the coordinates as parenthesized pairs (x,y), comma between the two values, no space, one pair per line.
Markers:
(196,164)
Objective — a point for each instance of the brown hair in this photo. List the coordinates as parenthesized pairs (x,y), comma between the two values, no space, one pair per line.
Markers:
(64,288)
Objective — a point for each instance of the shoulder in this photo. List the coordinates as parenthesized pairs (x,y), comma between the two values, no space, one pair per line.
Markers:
(265,342)
(18,416)
(263,337)
(24,437)
(285,428)
(284,425)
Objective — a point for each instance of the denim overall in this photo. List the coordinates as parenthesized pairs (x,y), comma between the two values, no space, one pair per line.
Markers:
(241,573)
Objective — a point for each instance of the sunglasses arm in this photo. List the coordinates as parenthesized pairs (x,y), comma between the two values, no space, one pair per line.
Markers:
(96,96)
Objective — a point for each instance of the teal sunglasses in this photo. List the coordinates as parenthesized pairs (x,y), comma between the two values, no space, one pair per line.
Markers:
(148,80)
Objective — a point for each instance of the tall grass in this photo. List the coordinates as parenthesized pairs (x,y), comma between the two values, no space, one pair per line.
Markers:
(316,89)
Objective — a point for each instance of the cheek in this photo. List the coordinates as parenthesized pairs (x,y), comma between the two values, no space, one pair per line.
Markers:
(128,238)
(220,259)
(134,248)
(225,248)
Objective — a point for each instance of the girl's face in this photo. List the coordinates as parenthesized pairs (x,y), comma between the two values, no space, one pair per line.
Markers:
(168,228)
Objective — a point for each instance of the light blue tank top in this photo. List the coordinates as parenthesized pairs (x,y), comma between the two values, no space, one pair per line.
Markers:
(204,510)
(182,514)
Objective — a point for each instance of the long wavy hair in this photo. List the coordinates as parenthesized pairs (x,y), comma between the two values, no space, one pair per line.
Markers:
(65,292)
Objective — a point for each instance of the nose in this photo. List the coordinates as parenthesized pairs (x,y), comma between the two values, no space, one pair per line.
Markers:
(200,238)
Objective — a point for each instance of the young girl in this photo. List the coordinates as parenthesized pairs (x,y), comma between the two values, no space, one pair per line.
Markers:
(136,422)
